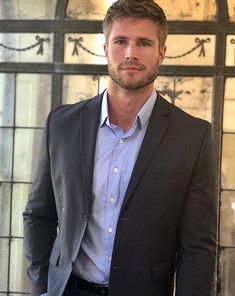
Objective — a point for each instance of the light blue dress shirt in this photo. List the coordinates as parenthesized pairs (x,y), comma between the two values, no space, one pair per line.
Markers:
(115,157)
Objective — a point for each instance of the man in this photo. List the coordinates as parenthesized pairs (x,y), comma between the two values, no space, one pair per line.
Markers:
(123,194)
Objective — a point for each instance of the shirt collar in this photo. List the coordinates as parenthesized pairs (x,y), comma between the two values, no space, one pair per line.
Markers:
(143,115)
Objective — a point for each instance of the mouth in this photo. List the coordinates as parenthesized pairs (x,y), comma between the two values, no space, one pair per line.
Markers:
(131,69)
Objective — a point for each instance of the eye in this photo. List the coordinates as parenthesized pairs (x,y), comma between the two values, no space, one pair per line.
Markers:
(144,44)
(120,41)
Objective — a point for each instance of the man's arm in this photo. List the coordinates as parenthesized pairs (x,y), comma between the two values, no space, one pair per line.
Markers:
(197,231)
(40,221)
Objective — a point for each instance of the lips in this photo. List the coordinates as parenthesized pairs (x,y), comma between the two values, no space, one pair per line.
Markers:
(134,67)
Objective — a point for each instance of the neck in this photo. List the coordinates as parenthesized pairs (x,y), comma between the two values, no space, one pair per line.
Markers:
(124,105)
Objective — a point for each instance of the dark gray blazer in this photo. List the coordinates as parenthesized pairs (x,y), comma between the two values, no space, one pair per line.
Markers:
(167,223)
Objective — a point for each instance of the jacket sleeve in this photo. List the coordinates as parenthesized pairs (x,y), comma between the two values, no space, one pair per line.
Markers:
(197,231)
(40,221)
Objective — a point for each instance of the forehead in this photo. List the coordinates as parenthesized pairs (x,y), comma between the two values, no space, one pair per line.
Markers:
(133,27)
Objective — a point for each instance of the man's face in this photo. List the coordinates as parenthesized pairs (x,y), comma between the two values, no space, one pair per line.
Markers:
(133,53)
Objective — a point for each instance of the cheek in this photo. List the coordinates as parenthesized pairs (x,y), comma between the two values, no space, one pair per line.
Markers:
(115,55)
(153,61)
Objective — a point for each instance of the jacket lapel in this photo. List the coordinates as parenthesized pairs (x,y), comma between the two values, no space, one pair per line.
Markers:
(89,121)
(156,130)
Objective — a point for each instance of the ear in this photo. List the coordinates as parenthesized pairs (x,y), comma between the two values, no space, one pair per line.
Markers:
(162,53)
(106,49)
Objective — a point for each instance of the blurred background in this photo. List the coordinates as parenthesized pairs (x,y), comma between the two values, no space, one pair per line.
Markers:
(51,53)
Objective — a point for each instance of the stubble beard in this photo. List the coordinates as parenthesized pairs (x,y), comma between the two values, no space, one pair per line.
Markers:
(132,85)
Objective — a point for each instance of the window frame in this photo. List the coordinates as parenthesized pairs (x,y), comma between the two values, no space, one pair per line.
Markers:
(221,27)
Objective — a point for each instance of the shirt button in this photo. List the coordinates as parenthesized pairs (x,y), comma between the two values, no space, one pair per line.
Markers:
(110,229)
(110,259)
(112,200)
(120,141)
(115,170)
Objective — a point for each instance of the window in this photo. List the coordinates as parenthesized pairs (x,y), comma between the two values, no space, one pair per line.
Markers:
(51,53)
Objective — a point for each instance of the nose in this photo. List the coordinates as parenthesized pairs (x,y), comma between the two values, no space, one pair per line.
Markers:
(131,52)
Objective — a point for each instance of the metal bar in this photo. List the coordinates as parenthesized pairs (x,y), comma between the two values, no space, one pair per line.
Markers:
(11,195)
(89,69)
(26,67)
(222,10)
(83,26)
(22,127)
(60,11)
(218,101)
(58,59)
(16,182)
(50,26)
(227,247)
(187,70)
(57,82)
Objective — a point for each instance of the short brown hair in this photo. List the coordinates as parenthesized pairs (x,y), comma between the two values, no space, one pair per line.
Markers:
(144,9)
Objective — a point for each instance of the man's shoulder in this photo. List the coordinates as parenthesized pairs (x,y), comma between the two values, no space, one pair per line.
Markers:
(180,116)
(70,111)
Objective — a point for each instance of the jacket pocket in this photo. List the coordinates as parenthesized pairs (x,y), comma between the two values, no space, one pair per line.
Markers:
(163,271)
(55,255)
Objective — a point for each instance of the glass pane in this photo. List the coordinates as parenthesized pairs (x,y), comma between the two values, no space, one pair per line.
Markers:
(26,153)
(229,105)
(227,222)
(230,50)
(79,87)
(5,198)
(87,9)
(103,83)
(7,93)
(6,142)
(4,244)
(84,49)
(20,198)
(228,162)
(88,49)
(231,9)
(180,50)
(33,99)
(26,47)
(193,95)
(18,282)
(189,10)
(27,9)
(227,272)
(175,10)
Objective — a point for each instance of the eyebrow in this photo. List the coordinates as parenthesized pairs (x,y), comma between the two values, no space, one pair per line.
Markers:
(119,37)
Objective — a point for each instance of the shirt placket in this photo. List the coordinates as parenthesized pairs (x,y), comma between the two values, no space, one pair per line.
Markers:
(113,195)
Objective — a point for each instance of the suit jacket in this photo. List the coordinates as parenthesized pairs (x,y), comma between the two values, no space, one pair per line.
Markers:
(167,224)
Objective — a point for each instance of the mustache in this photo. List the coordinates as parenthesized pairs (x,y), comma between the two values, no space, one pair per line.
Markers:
(133,63)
